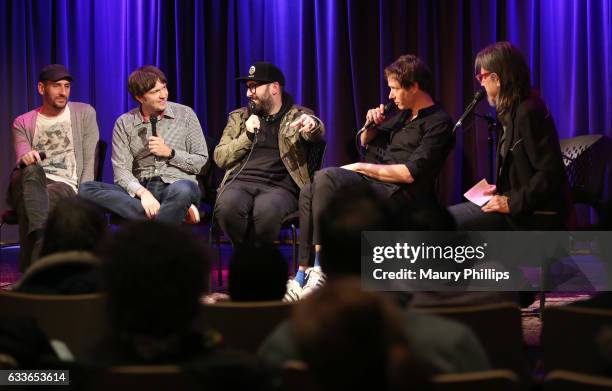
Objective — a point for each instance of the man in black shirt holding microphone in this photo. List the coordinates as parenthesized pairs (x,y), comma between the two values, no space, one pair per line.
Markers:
(404,155)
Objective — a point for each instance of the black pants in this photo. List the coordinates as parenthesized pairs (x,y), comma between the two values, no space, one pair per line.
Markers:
(248,211)
(32,195)
(314,198)
(470,217)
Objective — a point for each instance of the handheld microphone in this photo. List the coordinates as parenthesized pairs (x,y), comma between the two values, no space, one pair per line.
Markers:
(388,107)
(252,109)
(477,98)
(153,120)
(42,155)
(369,124)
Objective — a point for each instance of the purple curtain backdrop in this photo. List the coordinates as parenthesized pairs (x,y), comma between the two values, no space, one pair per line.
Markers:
(332,52)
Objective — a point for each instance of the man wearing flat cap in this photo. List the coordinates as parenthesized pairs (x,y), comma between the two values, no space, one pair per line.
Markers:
(264,152)
(55,151)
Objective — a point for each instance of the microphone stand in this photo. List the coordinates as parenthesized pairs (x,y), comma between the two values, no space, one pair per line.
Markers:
(492,126)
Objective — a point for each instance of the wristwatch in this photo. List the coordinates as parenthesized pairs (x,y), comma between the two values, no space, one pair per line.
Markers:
(172,154)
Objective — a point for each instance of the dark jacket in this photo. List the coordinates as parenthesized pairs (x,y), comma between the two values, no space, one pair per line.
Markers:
(531,172)
(235,144)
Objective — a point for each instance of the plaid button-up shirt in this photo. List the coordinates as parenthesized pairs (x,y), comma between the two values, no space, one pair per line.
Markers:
(132,161)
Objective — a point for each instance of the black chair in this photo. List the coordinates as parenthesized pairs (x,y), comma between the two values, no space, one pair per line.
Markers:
(244,325)
(9,216)
(61,273)
(101,148)
(573,339)
(587,161)
(498,327)
(77,320)
(495,379)
(208,182)
(560,380)
(145,377)
(587,165)
(316,153)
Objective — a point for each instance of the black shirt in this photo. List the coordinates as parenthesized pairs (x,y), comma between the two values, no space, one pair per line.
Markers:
(265,165)
(422,144)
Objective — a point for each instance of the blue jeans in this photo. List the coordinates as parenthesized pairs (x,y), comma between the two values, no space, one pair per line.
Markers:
(174,198)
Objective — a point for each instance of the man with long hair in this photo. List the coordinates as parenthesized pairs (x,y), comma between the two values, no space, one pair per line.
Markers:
(530,173)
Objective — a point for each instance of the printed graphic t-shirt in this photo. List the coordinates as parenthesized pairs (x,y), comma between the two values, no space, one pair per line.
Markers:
(54,137)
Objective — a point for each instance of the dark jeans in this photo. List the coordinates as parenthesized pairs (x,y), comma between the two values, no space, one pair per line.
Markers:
(469,217)
(248,211)
(174,198)
(32,196)
(314,198)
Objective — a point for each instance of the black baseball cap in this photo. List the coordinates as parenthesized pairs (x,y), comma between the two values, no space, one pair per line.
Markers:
(54,72)
(264,72)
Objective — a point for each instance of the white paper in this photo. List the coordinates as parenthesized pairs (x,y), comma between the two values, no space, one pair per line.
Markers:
(476,193)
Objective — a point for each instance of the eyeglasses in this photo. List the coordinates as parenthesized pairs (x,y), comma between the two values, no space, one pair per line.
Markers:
(481,76)
(254,86)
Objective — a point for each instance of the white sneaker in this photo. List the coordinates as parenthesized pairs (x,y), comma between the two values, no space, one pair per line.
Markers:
(315,279)
(192,216)
(294,291)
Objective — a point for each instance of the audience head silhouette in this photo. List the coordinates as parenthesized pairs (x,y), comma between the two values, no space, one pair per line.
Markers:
(357,209)
(359,332)
(154,274)
(264,261)
(74,224)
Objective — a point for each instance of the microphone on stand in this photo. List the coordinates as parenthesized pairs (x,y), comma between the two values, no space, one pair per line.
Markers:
(477,98)
(488,118)
(42,155)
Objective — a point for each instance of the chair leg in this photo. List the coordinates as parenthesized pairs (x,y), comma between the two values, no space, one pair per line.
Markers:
(220,268)
(1,226)
(211,233)
(543,273)
(294,257)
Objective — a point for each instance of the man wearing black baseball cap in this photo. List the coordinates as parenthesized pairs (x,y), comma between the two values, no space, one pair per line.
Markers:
(55,150)
(263,72)
(264,152)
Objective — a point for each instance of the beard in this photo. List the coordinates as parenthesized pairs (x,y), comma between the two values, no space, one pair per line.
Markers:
(59,106)
(56,104)
(264,104)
